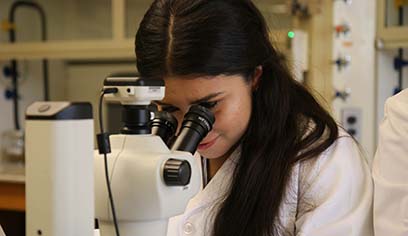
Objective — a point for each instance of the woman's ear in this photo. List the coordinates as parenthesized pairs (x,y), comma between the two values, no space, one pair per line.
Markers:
(256,78)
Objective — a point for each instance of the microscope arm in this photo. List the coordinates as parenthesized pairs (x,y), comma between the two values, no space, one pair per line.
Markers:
(143,201)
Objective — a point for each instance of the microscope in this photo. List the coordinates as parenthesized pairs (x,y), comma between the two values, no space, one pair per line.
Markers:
(152,172)
(147,171)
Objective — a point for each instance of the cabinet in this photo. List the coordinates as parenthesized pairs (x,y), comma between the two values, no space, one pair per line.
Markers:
(392,28)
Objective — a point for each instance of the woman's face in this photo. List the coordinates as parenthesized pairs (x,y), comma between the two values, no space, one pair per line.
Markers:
(228,97)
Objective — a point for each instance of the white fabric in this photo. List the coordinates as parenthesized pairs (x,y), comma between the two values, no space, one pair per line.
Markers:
(390,170)
(2,232)
(338,184)
(97,232)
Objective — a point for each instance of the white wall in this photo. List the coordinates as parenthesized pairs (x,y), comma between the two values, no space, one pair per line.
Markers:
(360,75)
(84,83)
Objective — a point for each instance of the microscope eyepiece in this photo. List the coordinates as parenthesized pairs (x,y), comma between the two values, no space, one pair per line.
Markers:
(201,116)
(196,125)
(164,125)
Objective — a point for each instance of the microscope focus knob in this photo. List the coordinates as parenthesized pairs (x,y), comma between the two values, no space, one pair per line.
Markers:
(176,172)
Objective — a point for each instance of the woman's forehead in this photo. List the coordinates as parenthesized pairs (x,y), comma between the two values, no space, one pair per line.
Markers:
(178,90)
(200,85)
(187,90)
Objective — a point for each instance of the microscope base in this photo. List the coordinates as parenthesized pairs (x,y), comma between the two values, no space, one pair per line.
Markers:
(132,229)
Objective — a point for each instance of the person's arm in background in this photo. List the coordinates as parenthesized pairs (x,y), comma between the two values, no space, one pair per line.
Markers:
(2,232)
(390,170)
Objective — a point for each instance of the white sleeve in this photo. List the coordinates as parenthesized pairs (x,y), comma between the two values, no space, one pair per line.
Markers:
(335,193)
(2,232)
(390,170)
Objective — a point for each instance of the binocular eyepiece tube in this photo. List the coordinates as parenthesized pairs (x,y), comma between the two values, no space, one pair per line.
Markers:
(164,125)
(196,125)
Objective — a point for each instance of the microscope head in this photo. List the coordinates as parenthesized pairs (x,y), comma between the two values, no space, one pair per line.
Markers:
(134,90)
(135,94)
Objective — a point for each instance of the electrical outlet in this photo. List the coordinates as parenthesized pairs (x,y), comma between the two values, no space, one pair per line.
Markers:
(351,119)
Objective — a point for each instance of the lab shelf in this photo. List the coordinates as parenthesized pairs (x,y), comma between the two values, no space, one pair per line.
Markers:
(90,49)
(13,176)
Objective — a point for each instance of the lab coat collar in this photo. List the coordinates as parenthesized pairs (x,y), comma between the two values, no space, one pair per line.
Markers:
(219,185)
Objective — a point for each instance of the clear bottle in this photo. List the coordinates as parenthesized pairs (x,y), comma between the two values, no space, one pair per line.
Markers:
(12,150)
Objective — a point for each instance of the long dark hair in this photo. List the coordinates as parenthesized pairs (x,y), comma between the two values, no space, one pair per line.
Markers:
(287,125)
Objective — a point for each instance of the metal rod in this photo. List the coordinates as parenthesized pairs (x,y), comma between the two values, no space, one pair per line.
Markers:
(14,64)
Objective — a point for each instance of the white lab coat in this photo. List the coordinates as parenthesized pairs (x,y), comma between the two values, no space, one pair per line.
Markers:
(2,232)
(338,184)
(390,170)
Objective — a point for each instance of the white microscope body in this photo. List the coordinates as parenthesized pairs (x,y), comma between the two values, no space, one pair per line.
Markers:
(143,201)
(142,170)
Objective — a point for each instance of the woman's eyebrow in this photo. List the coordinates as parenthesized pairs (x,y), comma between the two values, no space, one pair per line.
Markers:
(206,98)
(197,101)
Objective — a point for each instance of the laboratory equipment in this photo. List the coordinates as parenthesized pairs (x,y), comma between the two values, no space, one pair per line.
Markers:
(150,182)
(59,169)
(12,150)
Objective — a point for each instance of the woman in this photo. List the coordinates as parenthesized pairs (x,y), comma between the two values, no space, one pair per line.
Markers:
(277,164)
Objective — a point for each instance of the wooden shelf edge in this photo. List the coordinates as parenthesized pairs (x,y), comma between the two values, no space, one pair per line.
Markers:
(91,49)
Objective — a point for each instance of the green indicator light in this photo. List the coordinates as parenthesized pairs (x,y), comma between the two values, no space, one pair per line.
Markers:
(291,34)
